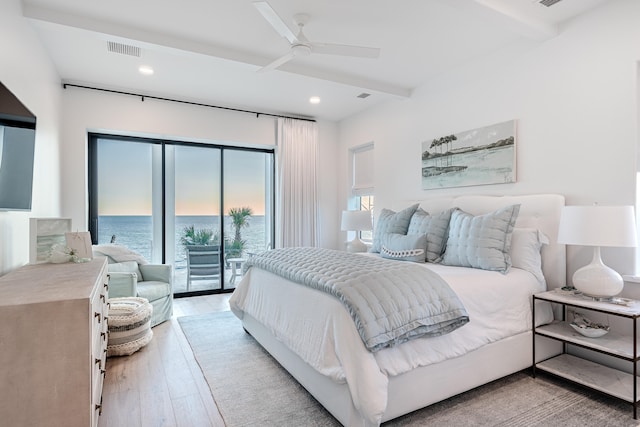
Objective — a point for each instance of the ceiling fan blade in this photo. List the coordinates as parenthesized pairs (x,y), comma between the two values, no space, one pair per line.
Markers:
(278,62)
(345,50)
(276,22)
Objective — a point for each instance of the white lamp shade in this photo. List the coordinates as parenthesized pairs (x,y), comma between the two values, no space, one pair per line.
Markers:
(598,226)
(356,221)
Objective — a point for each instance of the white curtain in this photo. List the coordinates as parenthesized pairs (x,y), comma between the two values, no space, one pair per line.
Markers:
(297,195)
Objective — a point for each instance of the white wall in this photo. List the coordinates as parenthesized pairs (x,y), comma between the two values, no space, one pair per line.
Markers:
(575,101)
(25,69)
(87,110)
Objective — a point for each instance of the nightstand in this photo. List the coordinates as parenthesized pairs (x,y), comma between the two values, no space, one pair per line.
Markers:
(588,373)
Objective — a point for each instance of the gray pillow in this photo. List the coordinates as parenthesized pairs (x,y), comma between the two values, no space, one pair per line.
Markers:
(404,248)
(482,241)
(435,227)
(391,222)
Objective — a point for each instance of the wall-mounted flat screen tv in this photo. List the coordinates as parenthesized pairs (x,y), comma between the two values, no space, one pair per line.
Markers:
(17,147)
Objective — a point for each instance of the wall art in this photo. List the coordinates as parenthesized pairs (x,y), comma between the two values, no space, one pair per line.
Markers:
(481,156)
(44,233)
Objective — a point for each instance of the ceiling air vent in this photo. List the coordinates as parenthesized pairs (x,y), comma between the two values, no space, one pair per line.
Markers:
(124,49)
(549,2)
(364,95)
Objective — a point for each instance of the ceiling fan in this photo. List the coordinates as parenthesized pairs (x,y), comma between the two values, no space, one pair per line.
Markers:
(301,45)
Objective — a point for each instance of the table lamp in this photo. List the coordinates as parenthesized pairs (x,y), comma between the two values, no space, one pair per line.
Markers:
(356,221)
(598,226)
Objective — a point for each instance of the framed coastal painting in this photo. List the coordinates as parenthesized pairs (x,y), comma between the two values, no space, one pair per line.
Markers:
(44,233)
(481,156)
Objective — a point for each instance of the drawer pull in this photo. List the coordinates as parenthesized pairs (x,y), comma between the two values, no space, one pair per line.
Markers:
(103,372)
(106,287)
(102,297)
(99,409)
(99,363)
(97,315)
(103,335)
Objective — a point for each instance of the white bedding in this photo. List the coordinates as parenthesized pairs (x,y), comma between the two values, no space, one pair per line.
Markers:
(316,327)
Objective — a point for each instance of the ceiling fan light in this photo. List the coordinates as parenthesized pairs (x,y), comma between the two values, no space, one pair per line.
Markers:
(301,50)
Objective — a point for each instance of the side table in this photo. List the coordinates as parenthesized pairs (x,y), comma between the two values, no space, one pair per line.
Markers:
(236,268)
(613,382)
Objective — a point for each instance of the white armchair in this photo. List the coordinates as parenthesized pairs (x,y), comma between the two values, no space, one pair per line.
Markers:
(135,279)
(155,286)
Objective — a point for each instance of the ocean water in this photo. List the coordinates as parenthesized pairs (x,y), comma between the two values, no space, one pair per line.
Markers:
(135,232)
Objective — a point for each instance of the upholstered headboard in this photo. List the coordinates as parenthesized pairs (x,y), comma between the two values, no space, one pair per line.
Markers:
(540,211)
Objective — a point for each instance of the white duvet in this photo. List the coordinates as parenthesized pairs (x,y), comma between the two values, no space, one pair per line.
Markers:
(319,329)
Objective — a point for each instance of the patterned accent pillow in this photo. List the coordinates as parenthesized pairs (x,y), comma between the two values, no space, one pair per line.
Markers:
(391,222)
(404,248)
(435,227)
(482,241)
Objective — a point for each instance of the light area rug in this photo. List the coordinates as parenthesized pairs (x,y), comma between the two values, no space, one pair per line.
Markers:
(252,389)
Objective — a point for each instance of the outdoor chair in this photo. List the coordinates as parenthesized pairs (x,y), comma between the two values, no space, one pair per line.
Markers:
(203,263)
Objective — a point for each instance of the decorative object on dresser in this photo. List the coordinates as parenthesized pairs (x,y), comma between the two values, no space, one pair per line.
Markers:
(43,234)
(356,221)
(53,331)
(80,243)
(598,226)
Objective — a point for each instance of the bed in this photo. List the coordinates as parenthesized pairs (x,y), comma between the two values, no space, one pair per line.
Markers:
(312,335)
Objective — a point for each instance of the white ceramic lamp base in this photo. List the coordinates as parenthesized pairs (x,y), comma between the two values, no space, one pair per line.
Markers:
(356,245)
(598,280)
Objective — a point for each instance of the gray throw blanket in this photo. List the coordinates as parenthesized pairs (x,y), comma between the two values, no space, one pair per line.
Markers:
(390,301)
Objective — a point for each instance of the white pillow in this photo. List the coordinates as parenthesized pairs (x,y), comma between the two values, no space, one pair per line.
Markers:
(526,244)
(125,267)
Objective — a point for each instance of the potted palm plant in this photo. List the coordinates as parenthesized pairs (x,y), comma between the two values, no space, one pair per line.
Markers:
(240,219)
(201,236)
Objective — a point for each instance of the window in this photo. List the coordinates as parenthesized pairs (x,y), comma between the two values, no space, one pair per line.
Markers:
(365,203)
(362,170)
(167,199)
(362,183)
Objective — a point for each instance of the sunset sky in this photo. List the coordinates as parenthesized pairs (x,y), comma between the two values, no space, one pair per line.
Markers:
(125,179)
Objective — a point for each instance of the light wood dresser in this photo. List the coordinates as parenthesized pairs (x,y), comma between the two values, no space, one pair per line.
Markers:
(53,339)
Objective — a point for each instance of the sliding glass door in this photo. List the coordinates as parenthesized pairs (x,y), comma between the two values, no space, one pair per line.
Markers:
(202,208)
(193,191)
(248,196)
(124,182)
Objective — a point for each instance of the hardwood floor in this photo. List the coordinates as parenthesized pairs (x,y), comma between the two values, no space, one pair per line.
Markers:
(161,384)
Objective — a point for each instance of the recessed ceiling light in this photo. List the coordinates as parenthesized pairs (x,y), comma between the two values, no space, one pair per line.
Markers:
(314,100)
(145,70)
